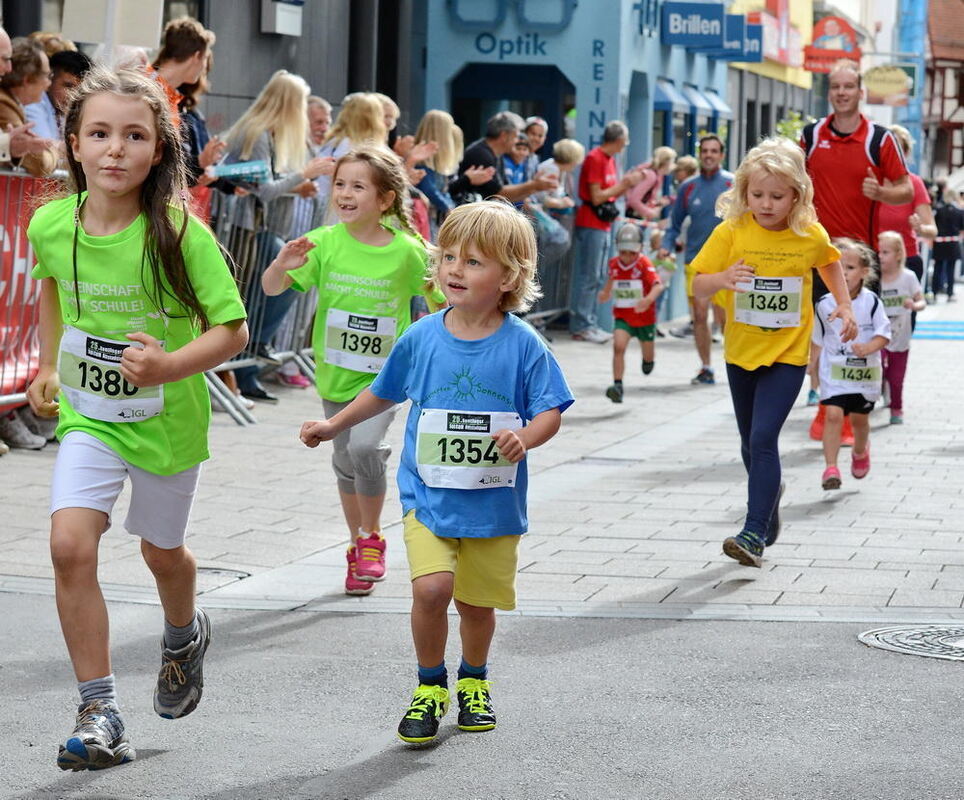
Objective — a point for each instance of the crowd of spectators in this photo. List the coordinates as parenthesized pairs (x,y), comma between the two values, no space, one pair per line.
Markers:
(569,195)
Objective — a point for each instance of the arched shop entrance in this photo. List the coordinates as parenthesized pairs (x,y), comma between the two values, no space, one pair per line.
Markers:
(480,90)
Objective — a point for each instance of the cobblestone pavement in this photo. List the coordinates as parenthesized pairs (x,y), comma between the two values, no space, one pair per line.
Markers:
(628,507)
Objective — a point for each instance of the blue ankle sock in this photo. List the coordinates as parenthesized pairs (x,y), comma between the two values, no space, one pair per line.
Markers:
(466,670)
(98,689)
(433,676)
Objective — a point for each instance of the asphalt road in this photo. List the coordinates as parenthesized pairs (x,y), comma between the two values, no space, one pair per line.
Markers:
(304,705)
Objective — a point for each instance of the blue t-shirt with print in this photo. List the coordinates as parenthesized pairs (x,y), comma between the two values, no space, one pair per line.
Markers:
(510,371)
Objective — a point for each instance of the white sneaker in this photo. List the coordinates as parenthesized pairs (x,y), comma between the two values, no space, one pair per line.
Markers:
(16,434)
(4,449)
(39,426)
(596,336)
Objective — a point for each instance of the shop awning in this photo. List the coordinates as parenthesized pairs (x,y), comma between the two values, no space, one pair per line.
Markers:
(668,98)
(697,103)
(720,108)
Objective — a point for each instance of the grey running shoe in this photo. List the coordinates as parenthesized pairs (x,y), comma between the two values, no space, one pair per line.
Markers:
(615,393)
(39,426)
(98,740)
(703,376)
(16,434)
(181,679)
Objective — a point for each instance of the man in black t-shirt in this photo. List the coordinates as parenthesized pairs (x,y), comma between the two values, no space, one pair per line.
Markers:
(481,169)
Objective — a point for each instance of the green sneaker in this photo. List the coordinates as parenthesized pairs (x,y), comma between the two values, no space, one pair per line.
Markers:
(746,547)
(475,705)
(420,723)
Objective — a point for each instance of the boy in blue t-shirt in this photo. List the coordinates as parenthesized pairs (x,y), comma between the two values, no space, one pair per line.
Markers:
(484,391)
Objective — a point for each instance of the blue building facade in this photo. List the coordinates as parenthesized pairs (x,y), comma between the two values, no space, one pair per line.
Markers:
(569,62)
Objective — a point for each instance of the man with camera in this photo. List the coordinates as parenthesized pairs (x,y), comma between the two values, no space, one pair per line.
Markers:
(598,188)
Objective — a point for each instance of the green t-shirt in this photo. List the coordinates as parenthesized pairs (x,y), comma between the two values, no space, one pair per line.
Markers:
(364,296)
(115,299)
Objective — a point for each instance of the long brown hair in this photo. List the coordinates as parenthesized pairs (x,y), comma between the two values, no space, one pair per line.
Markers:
(162,193)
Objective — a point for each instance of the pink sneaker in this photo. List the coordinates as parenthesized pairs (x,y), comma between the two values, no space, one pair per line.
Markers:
(297,380)
(354,586)
(371,557)
(831,478)
(860,465)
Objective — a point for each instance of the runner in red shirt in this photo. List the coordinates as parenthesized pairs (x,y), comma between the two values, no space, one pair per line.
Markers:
(637,286)
(848,158)
(598,187)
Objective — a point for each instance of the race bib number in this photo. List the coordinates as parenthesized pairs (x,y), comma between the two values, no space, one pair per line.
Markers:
(627,293)
(90,377)
(860,375)
(894,303)
(456,450)
(358,342)
(769,302)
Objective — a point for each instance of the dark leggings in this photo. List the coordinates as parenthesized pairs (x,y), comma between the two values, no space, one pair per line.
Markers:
(916,265)
(762,399)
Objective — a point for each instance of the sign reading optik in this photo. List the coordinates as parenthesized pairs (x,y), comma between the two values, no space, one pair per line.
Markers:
(693,24)
(529,44)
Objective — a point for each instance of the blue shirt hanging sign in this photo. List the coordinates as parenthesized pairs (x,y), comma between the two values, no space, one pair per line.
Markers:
(753,44)
(734,29)
(693,24)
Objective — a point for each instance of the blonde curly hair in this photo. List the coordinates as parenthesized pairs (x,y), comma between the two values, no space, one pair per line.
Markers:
(783,159)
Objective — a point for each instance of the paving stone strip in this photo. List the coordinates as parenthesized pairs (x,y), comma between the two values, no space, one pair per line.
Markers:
(628,507)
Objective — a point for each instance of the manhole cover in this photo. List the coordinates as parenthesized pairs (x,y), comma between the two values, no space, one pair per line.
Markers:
(209,578)
(933,641)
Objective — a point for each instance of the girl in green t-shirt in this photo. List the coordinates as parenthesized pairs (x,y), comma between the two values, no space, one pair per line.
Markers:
(136,303)
(366,272)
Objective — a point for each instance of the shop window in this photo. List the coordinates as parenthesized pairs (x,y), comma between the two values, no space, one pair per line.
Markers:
(682,141)
(659,128)
(766,119)
(751,126)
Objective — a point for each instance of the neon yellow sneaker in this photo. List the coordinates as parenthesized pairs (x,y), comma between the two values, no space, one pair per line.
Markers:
(475,705)
(420,723)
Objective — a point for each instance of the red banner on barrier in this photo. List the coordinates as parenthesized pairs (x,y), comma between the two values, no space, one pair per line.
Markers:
(19,293)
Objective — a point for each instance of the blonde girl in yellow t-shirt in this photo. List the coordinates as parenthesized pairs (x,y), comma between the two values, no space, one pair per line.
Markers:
(763,255)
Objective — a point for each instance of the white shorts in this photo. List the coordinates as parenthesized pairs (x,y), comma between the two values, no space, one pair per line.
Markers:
(88,474)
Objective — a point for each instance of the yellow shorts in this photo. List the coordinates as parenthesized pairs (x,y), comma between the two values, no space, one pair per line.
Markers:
(718,299)
(484,569)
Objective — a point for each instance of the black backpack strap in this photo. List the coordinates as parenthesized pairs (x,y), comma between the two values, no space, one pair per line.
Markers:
(875,142)
(808,139)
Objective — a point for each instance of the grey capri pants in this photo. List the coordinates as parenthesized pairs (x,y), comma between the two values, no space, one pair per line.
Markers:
(361,453)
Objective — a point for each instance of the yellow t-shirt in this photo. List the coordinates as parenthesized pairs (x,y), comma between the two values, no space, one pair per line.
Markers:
(774,255)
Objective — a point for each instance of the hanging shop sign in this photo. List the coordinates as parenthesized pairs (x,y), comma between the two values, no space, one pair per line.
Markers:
(891,84)
(742,41)
(833,39)
(693,25)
